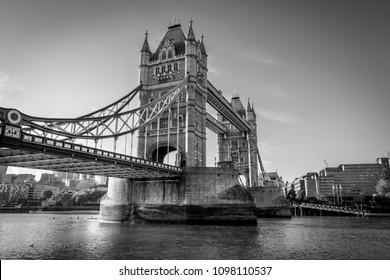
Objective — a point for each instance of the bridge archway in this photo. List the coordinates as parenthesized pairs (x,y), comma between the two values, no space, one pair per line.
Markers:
(172,158)
(165,153)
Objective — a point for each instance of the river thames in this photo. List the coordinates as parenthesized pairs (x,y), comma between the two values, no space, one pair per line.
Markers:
(81,236)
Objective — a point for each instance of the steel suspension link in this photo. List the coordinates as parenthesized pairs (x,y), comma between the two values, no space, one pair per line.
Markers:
(110,122)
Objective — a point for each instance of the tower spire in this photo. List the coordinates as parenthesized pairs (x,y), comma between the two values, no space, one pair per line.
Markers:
(202,48)
(191,36)
(145,46)
(175,21)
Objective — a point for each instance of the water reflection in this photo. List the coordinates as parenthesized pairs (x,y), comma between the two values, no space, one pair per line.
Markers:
(46,236)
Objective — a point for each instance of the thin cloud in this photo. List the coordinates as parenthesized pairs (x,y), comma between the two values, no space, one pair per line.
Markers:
(278,116)
(212,69)
(274,90)
(268,153)
(267,150)
(7,83)
(260,59)
(216,71)
(264,60)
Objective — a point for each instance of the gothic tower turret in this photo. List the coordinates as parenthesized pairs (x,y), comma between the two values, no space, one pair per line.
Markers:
(144,61)
(252,144)
(251,117)
(191,52)
(202,71)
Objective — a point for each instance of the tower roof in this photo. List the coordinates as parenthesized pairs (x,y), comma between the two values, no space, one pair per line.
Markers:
(191,36)
(176,36)
(145,46)
(237,104)
(248,107)
(175,21)
(202,48)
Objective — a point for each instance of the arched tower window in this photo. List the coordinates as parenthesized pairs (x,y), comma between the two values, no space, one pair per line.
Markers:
(181,120)
(164,55)
(169,54)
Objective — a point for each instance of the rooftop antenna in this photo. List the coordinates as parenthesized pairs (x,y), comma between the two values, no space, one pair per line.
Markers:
(326,163)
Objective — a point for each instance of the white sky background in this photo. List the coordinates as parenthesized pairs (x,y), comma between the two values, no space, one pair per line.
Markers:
(317,71)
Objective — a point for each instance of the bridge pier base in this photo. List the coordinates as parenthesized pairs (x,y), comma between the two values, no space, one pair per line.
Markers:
(115,206)
(201,196)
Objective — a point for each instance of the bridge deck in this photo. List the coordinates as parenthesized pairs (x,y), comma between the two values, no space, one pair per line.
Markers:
(37,152)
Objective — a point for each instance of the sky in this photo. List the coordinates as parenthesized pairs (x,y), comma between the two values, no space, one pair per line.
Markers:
(317,72)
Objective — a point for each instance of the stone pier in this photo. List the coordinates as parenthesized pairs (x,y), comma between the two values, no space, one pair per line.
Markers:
(115,206)
(270,203)
(203,195)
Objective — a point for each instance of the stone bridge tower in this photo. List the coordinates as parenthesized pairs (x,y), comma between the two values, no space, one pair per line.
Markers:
(183,128)
(238,147)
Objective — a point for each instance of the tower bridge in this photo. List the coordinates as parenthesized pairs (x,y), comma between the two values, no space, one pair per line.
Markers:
(170,121)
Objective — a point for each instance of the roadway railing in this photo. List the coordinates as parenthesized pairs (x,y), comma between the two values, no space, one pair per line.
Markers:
(16,135)
(85,149)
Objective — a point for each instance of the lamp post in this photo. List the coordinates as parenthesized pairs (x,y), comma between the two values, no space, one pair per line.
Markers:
(334,198)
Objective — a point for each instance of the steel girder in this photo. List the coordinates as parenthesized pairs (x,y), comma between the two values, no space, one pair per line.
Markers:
(215,99)
(111,121)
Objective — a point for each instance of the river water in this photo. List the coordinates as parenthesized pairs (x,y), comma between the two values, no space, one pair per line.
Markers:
(81,236)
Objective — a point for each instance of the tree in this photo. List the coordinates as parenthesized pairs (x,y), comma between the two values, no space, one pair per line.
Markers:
(382,187)
(56,199)
(82,198)
(95,195)
(291,194)
(47,194)
(66,198)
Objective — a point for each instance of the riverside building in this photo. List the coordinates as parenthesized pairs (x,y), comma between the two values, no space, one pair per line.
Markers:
(347,182)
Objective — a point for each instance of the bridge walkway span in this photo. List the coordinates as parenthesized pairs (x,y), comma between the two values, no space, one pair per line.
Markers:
(31,151)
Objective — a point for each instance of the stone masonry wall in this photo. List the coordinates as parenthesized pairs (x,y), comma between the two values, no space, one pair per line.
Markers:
(155,192)
(208,185)
(199,186)
(202,196)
